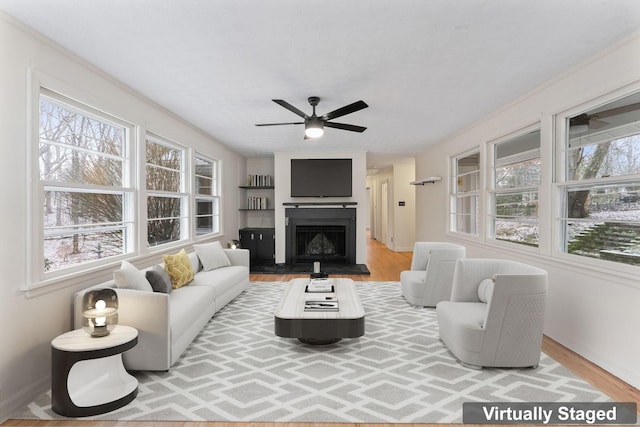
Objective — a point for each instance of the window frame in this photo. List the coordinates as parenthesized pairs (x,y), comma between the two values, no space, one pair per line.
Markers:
(455,195)
(493,191)
(37,283)
(183,194)
(38,277)
(562,185)
(214,197)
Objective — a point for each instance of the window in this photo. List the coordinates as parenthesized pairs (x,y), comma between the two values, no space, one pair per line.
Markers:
(600,188)
(207,196)
(167,215)
(465,194)
(83,190)
(514,196)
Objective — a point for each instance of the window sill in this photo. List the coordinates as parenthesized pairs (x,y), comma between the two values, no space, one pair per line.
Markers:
(623,274)
(97,274)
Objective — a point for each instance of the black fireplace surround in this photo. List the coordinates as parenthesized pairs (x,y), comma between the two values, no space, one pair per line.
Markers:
(327,235)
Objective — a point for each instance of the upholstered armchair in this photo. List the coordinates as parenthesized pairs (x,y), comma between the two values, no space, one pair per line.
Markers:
(429,280)
(496,313)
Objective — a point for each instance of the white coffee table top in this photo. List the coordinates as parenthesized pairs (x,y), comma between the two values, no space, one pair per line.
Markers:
(291,305)
(79,340)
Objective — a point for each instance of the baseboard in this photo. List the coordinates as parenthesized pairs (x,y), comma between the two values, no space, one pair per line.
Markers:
(9,405)
(628,375)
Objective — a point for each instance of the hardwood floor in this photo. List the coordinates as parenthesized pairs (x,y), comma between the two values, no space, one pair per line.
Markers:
(384,265)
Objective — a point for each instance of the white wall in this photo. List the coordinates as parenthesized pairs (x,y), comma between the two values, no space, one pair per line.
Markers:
(28,324)
(282,168)
(404,217)
(593,310)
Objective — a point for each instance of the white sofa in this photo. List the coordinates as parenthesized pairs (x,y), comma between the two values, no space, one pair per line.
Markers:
(168,323)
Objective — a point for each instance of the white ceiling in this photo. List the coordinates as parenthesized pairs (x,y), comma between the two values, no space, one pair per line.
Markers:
(427,68)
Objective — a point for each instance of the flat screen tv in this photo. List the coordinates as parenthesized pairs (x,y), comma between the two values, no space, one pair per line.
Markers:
(321,178)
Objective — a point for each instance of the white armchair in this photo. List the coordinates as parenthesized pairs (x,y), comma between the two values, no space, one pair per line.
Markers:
(496,313)
(429,280)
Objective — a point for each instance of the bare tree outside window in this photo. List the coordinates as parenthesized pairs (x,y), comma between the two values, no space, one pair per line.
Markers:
(602,191)
(81,161)
(166,205)
(516,172)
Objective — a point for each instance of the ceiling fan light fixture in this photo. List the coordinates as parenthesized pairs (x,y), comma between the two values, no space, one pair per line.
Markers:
(314,128)
(578,129)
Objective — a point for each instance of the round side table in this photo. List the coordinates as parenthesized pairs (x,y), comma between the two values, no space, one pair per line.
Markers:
(87,374)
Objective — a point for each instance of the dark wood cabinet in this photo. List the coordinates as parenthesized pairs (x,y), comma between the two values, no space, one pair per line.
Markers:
(261,244)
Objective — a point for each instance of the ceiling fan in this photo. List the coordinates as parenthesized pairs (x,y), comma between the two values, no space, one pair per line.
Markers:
(583,122)
(314,125)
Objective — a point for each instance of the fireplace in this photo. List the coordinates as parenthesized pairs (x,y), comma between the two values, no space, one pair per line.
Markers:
(320,234)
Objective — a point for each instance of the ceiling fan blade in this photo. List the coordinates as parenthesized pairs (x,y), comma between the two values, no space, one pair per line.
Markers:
(616,111)
(596,124)
(279,124)
(290,107)
(347,109)
(344,126)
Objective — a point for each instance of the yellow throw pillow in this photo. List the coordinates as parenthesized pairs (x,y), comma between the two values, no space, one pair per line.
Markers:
(179,269)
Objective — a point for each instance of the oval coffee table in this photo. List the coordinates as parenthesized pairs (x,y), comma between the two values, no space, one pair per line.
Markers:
(320,326)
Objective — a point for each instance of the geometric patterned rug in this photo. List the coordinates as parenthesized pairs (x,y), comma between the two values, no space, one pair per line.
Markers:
(398,372)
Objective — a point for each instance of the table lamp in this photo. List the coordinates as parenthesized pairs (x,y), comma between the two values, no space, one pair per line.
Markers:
(100,311)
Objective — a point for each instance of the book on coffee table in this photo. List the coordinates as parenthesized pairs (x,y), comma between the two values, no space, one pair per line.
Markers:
(320,285)
(321,305)
(317,296)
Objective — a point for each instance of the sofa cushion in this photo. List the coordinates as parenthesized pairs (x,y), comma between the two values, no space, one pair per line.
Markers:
(485,290)
(159,279)
(460,324)
(186,303)
(212,256)
(221,279)
(179,268)
(129,277)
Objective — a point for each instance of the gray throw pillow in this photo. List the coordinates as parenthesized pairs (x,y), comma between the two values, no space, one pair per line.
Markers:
(159,280)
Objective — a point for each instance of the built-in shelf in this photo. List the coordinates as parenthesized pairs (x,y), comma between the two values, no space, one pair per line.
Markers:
(429,180)
(297,204)
(261,204)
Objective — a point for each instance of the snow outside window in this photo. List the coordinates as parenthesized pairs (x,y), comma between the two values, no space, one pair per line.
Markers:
(84,191)
(600,189)
(514,196)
